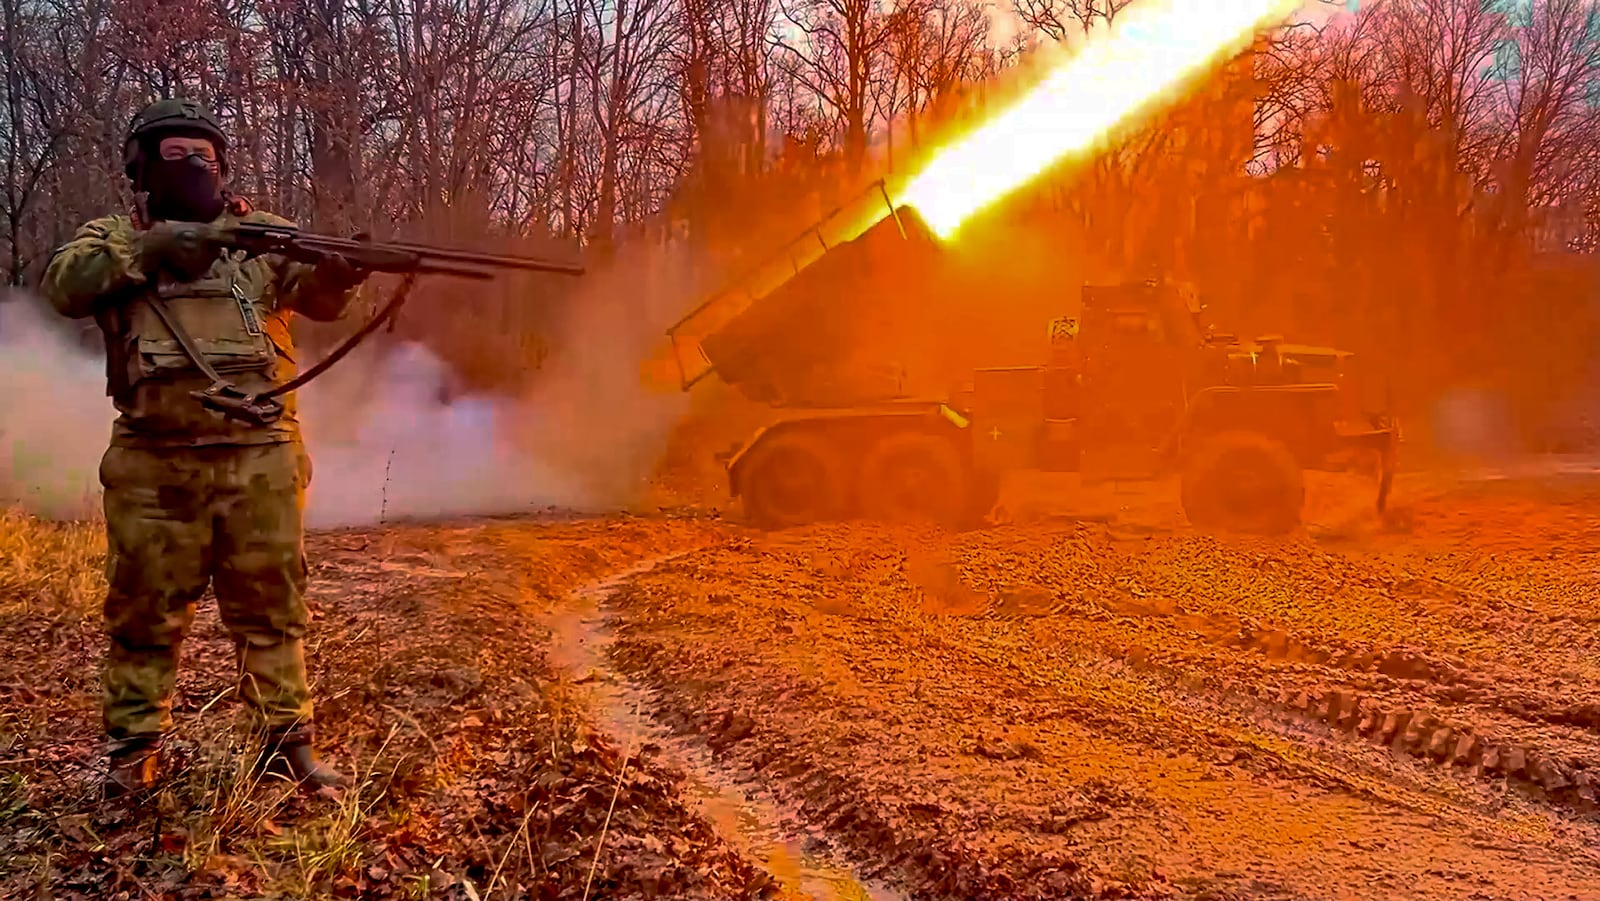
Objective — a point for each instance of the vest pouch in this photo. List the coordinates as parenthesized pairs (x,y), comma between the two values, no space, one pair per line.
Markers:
(226,329)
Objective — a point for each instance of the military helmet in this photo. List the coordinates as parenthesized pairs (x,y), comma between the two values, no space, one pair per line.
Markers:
(174,115)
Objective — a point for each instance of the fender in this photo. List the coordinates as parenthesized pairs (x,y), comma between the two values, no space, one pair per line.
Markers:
(1261,408)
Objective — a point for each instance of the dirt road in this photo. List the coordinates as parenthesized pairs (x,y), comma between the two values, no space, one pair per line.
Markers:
(1047,708)
(1056,710)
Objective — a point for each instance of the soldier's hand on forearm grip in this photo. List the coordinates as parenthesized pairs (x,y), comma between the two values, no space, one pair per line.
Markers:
(185,248)
(338,273)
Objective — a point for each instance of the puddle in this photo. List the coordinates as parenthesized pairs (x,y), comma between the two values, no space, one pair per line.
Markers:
(754,822)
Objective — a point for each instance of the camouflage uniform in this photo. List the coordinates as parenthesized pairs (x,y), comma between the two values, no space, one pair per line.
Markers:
(191,498)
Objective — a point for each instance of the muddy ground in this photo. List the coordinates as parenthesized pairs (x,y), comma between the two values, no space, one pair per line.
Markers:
(1085,699)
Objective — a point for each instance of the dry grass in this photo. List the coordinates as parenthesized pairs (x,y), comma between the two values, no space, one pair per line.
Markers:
(214,827)
(57,567)
(476,775)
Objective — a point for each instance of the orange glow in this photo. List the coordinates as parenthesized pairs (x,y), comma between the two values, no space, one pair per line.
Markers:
(1154,46)
(1147,57)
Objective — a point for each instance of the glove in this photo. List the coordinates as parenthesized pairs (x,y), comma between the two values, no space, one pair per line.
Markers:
(338,273)
(187,249)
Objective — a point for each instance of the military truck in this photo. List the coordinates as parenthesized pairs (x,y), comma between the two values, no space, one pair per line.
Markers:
(1136,386)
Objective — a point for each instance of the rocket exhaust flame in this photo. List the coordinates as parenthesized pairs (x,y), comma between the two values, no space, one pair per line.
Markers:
(1154,46)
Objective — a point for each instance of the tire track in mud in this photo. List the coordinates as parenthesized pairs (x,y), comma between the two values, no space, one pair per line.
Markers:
(1464,709)
(1447,712)
(1457,712)
(1255,699)
(753,821)
(895,838)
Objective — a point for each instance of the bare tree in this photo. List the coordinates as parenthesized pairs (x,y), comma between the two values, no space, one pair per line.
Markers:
(1439,57)
(1059,20)
(1402,138)
(1549,105)
(31,134)
(631,88)
(838,55)
(934,46)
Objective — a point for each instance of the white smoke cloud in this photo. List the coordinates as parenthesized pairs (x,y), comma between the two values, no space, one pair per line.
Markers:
(54,416)
(404,454)
(1474,422)
(585,436)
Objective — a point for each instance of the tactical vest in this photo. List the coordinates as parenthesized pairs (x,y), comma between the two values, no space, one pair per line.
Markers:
(218,310)
(230,312)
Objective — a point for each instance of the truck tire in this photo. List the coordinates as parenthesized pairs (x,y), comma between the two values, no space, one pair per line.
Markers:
(917,477)
(793,479)
(1242,481)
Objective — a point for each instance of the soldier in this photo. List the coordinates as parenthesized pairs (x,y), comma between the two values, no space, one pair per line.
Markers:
(193,499)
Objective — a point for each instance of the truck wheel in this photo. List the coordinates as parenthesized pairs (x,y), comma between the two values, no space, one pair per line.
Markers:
(915,476)
(1243,482)
(793,479)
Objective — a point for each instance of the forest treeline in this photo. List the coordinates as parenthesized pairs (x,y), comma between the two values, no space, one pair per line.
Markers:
(1418,173)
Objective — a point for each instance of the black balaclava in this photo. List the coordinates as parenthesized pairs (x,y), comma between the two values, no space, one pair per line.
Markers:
(182,190)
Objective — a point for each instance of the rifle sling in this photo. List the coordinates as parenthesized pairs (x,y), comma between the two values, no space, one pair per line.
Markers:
(349,344)
(193,352)
(186,342)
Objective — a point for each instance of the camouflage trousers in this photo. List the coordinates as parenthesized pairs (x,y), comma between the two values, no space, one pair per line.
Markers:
(177,520)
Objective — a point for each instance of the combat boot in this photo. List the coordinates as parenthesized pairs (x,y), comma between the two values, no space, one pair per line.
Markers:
(289,754)
(132,767)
